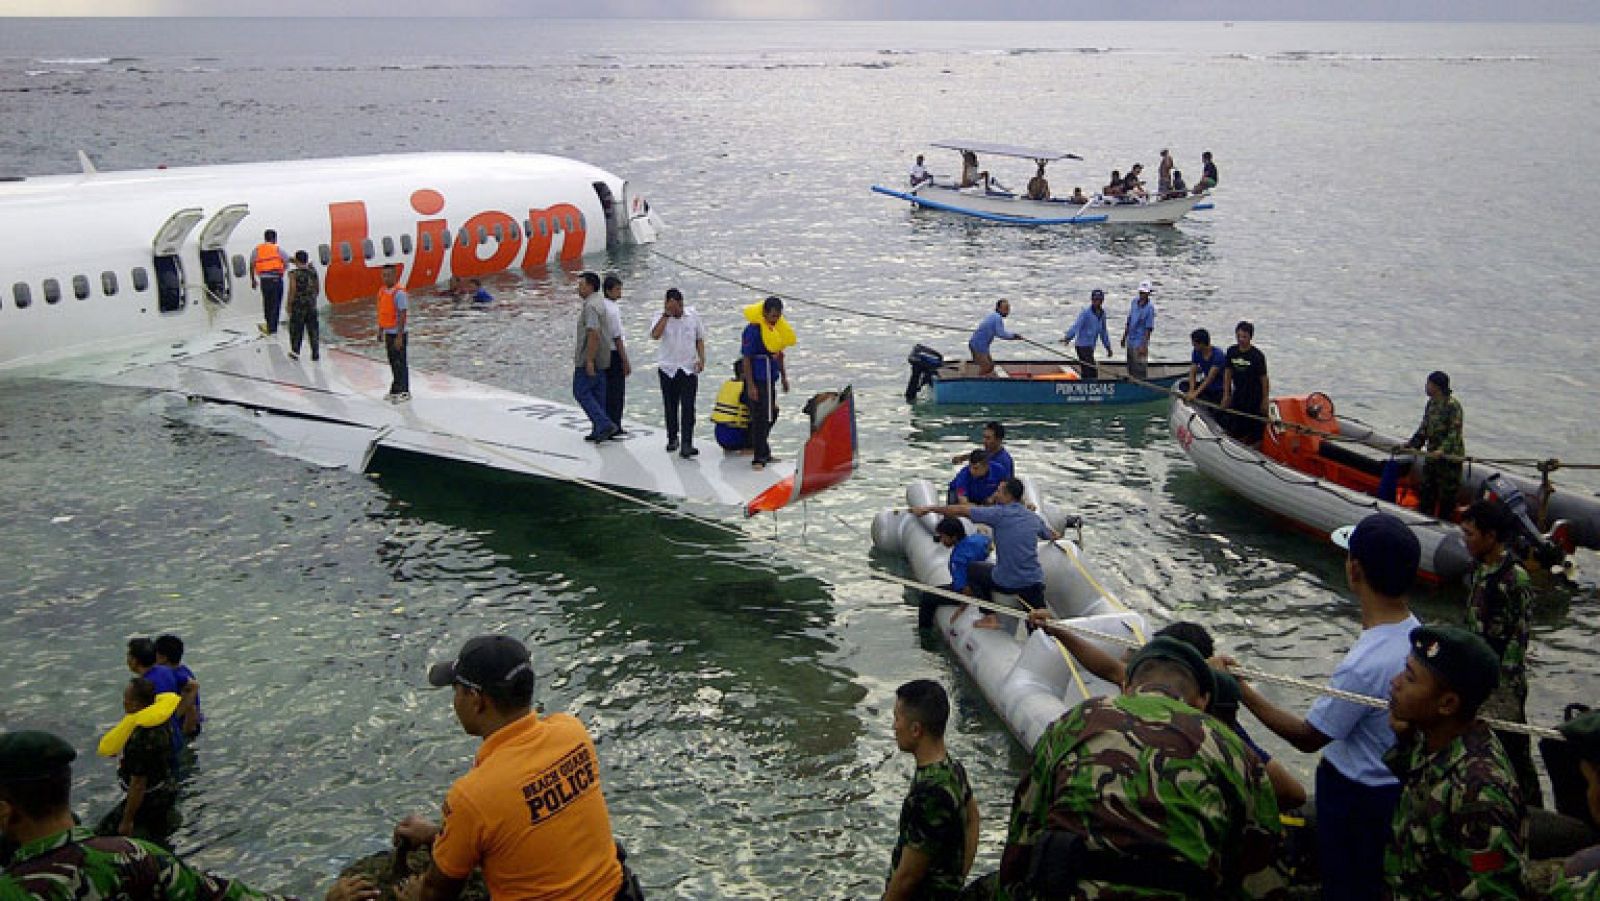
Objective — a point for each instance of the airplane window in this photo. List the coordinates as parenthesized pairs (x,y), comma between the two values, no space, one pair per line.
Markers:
(427,242)
(499,232)
(583,222)
(108,283)
(239,266)
(516,232)
(21,294)
(325,254)
(388,246)
(527,227)
(569,223)
(483,234)
(555,225)
(444,238)
(52,291)
(80,287)
(405,244)
(141,279)
(344,251)
(367,250)
(464,238)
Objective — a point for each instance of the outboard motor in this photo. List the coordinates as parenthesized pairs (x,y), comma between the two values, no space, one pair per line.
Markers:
(1528,542)
(925,361)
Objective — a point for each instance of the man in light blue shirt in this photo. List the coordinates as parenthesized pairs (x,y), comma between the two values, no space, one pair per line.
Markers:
(1356,793)
(1136,334)
(1089,327)
(1017,531)
(989,328)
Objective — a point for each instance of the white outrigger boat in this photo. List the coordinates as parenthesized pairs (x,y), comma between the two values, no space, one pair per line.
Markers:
(986,200)
(1029,680)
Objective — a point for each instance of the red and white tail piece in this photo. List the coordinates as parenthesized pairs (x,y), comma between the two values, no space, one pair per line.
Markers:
(828,457)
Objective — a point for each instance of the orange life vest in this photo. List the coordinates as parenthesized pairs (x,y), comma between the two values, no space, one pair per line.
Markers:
(388,315)
(269,260)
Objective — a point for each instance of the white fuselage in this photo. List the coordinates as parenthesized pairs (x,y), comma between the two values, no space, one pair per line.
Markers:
(97,262)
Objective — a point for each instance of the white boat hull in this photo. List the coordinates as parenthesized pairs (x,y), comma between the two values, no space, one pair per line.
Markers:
(1016,209)
(1316,505)
(1028,680)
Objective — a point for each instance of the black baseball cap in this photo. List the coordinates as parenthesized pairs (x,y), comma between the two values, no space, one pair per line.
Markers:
(488,660)
(1387,550)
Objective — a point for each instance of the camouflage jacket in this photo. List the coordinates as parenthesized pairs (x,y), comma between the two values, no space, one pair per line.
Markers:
(1577,888)
(933,819)
(1501,609)
(1148,780)
(1442,422)
(303,285)
(76,866)
(1460,830)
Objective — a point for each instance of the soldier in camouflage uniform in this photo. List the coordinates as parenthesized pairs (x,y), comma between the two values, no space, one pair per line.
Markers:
(149,810)
(1500,610)
(1440,433)
(1460,830)
(1143,797)
(1580,876)
(939,817)
(60,862)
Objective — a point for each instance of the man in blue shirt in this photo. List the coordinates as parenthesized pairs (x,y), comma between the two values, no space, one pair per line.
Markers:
(1206,365)
(964,550)
(1090,326)
(142,662)
(1356,793)
(1136,334)
(1001,466)
(976,482)
(763,370)
(479,293)
(1017,531)
(989,328)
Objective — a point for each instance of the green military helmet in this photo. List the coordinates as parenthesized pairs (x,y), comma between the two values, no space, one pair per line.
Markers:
(1225,700)
(1164,647)
(30,754)
(1461,658)
(1583,732)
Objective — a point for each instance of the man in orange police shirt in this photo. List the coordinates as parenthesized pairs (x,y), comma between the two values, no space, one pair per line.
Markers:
(530,812)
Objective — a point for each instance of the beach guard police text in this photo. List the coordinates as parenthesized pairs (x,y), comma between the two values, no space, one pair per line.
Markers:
(552,790)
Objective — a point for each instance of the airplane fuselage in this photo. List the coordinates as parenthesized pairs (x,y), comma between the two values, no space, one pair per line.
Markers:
(96,261)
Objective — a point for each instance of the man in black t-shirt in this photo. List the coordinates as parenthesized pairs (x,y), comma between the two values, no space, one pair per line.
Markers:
(1245,387)
(1209,179)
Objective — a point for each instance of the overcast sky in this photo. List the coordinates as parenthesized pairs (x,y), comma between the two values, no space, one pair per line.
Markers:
(1443,10)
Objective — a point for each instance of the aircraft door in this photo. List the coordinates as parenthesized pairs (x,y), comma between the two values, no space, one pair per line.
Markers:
(214,251)
(613,212)
(171,293)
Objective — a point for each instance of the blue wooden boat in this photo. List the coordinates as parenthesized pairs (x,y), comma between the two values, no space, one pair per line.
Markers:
(1058,381)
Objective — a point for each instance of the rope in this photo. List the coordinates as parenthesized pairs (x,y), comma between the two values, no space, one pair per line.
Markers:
(1546,465)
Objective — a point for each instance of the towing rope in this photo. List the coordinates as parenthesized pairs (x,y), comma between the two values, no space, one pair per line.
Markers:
(1543,466)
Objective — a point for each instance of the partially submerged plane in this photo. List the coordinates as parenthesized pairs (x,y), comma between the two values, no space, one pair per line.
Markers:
(141,278)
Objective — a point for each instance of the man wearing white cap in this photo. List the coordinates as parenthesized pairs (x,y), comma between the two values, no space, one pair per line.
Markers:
(1136,334)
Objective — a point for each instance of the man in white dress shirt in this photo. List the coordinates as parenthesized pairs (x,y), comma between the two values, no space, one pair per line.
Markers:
(681,358)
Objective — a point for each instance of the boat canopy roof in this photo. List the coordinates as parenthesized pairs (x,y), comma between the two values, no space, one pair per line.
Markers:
(1026,153)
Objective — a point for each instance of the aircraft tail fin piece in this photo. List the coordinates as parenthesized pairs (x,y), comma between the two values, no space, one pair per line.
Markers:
(87,164)
(828,457)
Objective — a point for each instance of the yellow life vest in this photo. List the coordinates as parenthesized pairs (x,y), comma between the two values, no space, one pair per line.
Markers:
(775,337)
(730,408)
(157,714)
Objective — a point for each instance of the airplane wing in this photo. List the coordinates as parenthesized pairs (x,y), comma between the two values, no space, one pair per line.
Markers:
(332,412)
